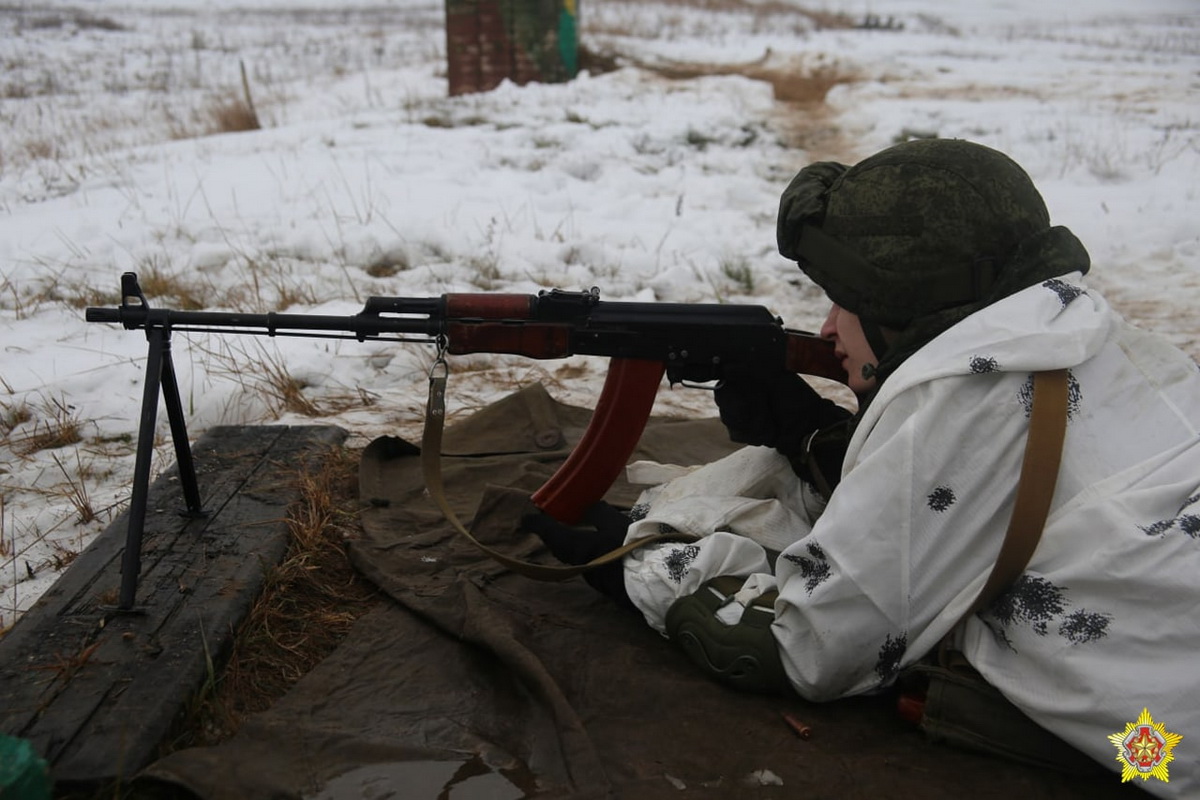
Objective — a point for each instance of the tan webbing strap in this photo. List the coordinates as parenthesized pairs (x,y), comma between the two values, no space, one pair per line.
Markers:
(431,452)
(1035,488)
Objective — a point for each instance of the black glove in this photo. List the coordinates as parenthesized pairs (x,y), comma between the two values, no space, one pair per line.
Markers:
(775,409)
(822,464)
(605,531)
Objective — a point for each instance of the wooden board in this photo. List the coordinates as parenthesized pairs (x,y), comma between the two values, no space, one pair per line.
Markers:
(95,689)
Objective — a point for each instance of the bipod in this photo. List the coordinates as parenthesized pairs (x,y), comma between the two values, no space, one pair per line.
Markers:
(160,373)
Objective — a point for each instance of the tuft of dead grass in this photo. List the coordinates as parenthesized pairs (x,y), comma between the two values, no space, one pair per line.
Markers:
(239,115)
(232,116)
(13,414)
(170,289)
(56,427)
(225,113)
(288,390)
(308,604)
(388,264)
(76,493)
(265,375)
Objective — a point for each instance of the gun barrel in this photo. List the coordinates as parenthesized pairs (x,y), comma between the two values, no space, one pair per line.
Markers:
(695,341)
(361,326)
(102,315)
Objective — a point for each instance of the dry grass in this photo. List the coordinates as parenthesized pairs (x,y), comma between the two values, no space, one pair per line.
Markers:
(308,605)
(238,115)
(76,492)
(13,414)
(285,390)
(170,290)
(388,264)
(265,375)
(58,426)
(231,115)
(223,113)
(266,286)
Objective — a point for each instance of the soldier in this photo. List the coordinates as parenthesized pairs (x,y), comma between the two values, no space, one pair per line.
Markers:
(840,550)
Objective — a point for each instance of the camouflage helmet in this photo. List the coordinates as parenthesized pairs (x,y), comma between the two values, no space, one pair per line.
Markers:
(916,228)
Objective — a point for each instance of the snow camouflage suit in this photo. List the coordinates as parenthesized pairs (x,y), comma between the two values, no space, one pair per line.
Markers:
(1102,623)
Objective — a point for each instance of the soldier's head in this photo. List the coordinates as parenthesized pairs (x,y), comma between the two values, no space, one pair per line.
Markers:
(918,236)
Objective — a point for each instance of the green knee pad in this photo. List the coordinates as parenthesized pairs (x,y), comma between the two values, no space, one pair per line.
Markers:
(744,656)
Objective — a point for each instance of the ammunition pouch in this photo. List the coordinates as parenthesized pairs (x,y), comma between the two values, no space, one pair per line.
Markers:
(953,705)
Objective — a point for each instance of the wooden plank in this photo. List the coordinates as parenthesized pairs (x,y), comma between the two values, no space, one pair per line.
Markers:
(96,690)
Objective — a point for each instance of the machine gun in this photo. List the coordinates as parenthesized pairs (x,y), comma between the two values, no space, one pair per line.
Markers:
(689,342)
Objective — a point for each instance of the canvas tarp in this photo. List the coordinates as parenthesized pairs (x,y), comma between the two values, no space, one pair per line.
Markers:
(475,682)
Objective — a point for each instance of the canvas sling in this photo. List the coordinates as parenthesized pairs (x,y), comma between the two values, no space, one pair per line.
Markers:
(946,695)
(1035,487)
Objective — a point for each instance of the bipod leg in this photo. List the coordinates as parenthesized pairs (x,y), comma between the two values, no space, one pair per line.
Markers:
(131,559)
(179,436)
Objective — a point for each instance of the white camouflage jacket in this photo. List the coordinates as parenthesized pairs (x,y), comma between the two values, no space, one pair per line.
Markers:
(1105,620)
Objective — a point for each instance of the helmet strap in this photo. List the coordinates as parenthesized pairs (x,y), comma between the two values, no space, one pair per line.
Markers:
(875,338)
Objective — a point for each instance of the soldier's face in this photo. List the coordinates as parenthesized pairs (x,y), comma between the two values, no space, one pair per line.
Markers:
(850,345)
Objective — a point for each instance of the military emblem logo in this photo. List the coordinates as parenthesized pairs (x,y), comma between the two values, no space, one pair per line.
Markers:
(1145,748)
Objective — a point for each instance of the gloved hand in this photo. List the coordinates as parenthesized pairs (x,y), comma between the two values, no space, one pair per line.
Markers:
(774,409)
(605,531)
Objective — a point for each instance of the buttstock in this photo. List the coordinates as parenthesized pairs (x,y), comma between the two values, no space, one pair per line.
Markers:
(809,354)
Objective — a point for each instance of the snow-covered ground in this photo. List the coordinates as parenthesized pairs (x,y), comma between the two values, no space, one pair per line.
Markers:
(656,181)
